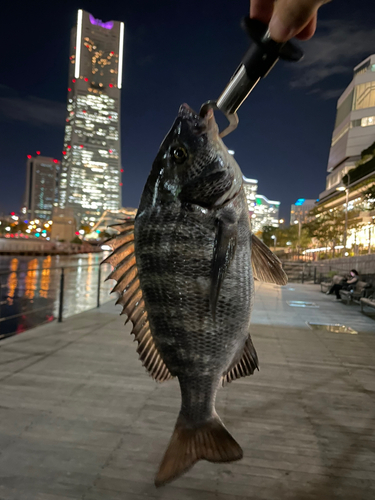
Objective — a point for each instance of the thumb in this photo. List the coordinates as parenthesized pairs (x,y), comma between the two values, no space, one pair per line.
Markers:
(290,17)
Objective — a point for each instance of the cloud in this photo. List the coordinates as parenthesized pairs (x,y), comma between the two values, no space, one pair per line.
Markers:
(337,47)
(33,110)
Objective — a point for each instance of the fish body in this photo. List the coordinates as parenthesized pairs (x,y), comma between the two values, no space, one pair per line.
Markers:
(191,297)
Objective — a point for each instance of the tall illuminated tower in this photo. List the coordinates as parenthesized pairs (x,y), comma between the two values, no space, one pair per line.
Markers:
(90,179)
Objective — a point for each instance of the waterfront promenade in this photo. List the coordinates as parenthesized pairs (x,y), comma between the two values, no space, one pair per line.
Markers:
(80,418)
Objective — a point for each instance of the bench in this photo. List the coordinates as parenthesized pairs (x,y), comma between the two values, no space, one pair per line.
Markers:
(367,302)
(360,290)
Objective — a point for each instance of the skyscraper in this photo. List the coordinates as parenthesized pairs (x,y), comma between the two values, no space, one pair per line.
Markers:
(263,212)
(90,180)
(41,186)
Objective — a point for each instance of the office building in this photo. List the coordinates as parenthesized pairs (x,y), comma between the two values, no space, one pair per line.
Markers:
(262,211)
(300,211)
(91,166)
(41,193)
(351,163)
(354,128)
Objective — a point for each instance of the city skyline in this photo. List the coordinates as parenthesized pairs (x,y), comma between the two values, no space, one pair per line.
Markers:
(285,126)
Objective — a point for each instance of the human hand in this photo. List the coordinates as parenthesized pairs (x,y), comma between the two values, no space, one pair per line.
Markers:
(287,18)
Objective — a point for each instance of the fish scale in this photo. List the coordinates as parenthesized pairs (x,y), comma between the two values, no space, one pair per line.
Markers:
(190,292)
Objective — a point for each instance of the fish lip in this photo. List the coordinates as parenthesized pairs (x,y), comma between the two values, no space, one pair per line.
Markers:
(186,111)
(202,124)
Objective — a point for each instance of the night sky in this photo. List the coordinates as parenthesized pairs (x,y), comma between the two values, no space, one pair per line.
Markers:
(179,52)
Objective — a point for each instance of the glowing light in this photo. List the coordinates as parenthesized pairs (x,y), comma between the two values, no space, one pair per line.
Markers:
(111,85)
(29,156)
(120,56)
(281,221)
(36,221)
(106,247)
(28,230)
(69,89)
(122,170)
(110,151)
(77,233)
(98,22)
(55,161)
(231,152)
(86,79)
(120,183)
(110,117)
(39,229)
(78,44)
(50,222)
(37,235)
(64,153)
(74,80)
(46,225)
(7,228)
(112,52)
(81,231)
(300,202)
(69,146)
(340,188)
(12,213)
(81,146)
(38,152)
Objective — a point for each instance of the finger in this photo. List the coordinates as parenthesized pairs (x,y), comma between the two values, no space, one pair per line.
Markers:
(309,30)
(262,10)
(290,17)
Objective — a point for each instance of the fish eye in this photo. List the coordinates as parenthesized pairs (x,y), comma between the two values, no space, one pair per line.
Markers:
(179,154)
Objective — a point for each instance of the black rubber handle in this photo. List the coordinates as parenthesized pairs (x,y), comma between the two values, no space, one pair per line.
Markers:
(264,53)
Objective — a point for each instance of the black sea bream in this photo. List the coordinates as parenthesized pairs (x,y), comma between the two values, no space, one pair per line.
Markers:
(184,271)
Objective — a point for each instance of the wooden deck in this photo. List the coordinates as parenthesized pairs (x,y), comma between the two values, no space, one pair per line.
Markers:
(80,418)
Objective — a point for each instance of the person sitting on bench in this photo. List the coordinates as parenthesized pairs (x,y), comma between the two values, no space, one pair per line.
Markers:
(348,284)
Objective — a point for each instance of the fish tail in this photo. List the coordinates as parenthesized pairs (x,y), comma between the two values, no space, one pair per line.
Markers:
(189,443)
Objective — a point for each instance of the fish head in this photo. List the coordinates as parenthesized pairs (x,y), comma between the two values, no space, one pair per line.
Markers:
(193,163)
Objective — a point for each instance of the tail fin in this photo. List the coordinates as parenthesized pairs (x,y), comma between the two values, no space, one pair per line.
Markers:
(210,441)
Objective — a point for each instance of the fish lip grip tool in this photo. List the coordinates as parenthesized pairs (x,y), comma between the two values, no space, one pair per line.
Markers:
(260,58)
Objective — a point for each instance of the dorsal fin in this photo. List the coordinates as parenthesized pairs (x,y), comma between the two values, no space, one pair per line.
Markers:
(243,367)
(266,266)
(125,273)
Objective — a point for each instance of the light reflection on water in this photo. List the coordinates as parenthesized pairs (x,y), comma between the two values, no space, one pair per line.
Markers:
(33,291)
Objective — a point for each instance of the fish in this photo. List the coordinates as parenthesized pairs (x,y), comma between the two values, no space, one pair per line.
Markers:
(185,269)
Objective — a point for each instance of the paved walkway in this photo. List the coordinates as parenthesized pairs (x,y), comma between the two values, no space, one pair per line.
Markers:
(80,419)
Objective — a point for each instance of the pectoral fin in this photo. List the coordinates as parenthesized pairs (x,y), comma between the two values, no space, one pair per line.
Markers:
(224,250)
(266,266)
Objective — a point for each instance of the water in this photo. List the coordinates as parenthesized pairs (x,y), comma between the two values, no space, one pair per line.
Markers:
(30,291)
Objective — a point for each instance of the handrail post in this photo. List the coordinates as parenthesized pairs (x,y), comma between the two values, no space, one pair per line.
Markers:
(61,304)
(99,280)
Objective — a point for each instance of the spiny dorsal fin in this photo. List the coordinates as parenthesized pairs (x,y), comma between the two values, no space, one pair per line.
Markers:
(266,266)
(125,273)
(245,366)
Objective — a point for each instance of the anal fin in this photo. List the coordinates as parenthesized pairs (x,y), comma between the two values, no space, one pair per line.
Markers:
(245,366)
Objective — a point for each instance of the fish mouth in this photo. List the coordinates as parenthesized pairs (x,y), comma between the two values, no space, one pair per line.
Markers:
(202,124)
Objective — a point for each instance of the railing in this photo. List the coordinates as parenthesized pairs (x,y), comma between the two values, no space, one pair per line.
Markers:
(37,295)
